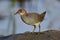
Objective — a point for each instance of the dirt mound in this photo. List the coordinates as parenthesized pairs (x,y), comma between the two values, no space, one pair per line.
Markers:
(46,35)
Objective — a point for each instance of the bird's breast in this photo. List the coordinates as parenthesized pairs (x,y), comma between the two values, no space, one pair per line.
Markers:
(29,20)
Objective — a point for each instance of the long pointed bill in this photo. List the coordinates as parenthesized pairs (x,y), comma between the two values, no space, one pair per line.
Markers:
(15,13)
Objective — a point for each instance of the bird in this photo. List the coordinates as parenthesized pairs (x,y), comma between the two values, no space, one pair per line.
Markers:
(33,18)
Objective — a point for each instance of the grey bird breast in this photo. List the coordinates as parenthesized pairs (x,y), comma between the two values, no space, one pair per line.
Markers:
(31,19)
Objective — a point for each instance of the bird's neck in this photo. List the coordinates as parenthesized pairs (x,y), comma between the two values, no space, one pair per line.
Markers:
(25,14)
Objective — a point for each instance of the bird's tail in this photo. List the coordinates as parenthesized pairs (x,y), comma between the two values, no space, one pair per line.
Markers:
(42,15)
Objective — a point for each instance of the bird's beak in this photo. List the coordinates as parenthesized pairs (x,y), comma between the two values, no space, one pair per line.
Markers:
(15,13)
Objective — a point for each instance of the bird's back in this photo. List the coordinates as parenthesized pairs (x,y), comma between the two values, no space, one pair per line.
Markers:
(32,18)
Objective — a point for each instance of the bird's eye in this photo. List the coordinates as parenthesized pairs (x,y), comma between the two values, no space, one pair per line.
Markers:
(20,10)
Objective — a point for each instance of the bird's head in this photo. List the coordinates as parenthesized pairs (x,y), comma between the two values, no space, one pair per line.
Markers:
(21,12)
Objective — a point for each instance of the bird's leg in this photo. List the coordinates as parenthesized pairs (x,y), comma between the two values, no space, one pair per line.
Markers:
(39,28)
(34,28)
